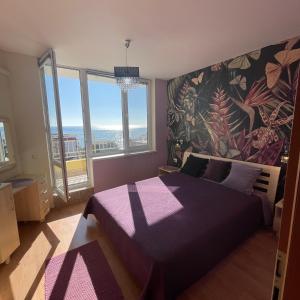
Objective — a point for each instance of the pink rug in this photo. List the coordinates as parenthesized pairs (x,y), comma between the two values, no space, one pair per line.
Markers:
(81,273)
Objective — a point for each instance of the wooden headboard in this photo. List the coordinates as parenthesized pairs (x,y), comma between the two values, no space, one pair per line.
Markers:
(267,181)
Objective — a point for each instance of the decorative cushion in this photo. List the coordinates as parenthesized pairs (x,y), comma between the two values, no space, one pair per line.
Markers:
(194,166)
(242,178)
(217,170)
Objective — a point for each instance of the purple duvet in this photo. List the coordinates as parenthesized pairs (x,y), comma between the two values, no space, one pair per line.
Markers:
(171,230)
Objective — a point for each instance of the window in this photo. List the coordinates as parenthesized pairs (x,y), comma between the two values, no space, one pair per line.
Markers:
(105,105)
(87,115)
(138,117)
(119,120)
(6,151)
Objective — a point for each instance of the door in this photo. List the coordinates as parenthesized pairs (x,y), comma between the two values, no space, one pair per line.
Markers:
(52,112)
(287,269)
(74,127)
(290,290)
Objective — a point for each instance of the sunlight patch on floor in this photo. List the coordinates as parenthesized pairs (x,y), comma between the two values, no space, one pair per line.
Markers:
(65,230)
(20,279)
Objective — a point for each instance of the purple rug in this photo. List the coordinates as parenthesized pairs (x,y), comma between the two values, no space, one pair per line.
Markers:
(81,273)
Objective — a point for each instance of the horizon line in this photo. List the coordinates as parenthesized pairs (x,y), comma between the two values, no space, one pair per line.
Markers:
(112,127)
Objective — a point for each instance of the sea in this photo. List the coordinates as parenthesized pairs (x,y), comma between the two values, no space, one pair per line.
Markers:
(102,134)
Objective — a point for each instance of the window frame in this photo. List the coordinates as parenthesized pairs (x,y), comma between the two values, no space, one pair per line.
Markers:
(5,165)
(125,119)
(150,147)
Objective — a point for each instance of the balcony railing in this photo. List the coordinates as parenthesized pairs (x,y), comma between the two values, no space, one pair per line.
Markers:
(75,157)
(70,155)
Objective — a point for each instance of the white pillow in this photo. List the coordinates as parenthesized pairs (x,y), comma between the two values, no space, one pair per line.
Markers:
(242,178)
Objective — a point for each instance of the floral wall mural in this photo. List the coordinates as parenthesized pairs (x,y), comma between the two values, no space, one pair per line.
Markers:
(241,108)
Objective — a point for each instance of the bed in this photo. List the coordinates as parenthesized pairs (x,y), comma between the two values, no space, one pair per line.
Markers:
(171,230)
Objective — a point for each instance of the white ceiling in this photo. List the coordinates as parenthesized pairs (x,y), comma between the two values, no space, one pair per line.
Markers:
(170,37)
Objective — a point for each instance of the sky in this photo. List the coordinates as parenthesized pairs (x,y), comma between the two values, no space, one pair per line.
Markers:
(104,102)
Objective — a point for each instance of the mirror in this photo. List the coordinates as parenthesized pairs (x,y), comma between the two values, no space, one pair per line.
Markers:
(6,150)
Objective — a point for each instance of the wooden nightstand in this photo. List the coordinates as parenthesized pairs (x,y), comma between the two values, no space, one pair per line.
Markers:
(167,170)
(277,217)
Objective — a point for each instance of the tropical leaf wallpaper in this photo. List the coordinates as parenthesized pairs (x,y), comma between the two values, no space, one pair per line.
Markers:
(241,108)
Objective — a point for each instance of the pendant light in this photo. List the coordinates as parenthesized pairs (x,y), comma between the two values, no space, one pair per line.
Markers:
(127,77)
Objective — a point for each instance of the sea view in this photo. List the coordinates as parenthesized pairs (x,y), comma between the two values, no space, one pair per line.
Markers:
(116,136)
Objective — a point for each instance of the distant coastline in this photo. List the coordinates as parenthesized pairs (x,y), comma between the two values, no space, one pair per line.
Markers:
(102,134)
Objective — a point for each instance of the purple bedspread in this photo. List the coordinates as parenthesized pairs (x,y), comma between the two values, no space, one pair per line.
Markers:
(171,230)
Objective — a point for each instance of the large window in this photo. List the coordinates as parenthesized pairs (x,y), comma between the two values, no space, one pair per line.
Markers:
(87,116)
(119,120)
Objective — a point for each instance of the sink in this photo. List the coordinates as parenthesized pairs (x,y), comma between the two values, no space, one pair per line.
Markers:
(18,182)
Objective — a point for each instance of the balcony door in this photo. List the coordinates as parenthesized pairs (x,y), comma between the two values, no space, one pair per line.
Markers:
(52,109)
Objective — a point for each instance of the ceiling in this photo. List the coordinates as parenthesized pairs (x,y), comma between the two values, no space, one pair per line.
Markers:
(170,37)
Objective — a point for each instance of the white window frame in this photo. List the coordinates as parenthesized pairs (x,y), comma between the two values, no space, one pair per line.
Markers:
(125,121)
(83,77)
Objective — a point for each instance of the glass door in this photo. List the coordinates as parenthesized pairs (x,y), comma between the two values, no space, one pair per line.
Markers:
(73,126)
(52,111)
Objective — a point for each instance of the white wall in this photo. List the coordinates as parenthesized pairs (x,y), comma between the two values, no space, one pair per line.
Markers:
(27,112)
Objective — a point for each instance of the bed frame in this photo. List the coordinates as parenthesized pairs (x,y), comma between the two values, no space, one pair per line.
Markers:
(267,181)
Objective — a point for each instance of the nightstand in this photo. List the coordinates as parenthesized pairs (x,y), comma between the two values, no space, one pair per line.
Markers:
(277,217)
(167,170)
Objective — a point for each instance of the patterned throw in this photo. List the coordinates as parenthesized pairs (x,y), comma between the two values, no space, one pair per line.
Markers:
(81,273)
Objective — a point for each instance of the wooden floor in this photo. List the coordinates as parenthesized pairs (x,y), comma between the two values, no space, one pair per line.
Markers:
(245,274)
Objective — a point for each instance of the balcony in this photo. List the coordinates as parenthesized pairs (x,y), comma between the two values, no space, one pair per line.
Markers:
(76,163)
(76,173)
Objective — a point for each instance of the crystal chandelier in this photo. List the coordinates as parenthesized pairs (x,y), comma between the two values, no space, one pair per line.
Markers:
(127,77)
